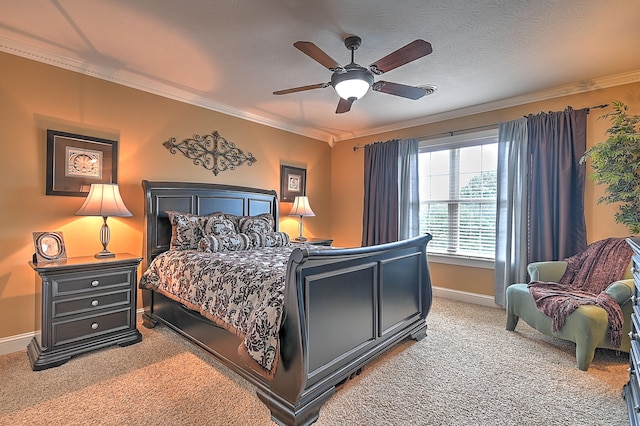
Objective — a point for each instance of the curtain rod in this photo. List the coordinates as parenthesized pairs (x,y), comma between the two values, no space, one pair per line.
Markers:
(588,109)
(452,132)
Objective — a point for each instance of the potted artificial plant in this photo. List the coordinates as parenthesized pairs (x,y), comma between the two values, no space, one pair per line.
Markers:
(616,164)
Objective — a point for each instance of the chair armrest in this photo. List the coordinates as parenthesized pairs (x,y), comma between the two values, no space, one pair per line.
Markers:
(621,291)
(550,271)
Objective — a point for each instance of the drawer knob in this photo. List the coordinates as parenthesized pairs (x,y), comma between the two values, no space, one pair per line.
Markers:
(95,283)
(632,335)
(94,326)
(94,303)
(633,269)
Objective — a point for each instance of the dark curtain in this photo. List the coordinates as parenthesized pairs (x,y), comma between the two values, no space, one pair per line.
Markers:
(557,141)
(380,213)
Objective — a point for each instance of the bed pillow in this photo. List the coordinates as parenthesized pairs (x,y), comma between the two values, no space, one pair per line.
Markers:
(233,218)
(231,242)
(218,224)
(186,230)
(261,224)
(269,239)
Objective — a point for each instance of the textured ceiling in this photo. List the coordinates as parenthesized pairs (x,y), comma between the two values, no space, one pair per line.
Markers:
(230,56)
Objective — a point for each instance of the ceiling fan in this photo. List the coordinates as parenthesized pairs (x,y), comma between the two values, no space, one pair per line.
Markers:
(353,81)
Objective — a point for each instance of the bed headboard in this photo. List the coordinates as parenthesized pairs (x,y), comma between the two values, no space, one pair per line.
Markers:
(197,198)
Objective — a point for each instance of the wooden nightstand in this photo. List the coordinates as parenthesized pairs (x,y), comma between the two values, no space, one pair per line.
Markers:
(87,304)
(317,241)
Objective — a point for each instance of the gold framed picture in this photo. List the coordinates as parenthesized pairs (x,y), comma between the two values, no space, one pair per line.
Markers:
(49,247)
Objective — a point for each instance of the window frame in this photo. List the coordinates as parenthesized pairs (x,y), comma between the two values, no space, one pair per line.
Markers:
(473,138)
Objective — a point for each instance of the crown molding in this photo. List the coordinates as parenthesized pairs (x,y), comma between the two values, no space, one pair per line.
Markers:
(137,82)
(544,95)
(126,78)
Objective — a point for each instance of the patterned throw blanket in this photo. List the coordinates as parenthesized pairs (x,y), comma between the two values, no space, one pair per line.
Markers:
(242,291)
(584,282)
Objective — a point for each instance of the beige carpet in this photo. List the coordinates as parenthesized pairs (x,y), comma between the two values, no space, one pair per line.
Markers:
(468,371)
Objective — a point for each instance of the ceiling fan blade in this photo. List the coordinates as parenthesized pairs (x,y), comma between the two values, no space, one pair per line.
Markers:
(317,54)
(302,88)
(412,51)
(397,89)
(344,106)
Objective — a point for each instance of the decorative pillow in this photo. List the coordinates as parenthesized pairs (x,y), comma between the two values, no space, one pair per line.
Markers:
(269,239)
(218,224)
(261,224)
(233,218)
(231,242)
(186,230)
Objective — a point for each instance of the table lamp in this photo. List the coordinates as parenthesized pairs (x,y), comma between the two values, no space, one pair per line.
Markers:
(301,208)
(104,200)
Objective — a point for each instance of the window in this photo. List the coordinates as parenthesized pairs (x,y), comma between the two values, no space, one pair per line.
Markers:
(457,181)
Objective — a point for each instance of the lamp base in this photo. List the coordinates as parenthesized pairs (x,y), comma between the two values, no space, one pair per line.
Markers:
(300,229)
(104,254)
(105,236)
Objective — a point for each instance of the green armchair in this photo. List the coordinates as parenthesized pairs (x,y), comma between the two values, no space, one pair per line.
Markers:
(586,327)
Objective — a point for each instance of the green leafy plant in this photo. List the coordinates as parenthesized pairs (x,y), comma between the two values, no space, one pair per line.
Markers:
(616,164)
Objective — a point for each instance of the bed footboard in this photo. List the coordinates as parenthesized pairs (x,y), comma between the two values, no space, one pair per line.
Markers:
(343,308)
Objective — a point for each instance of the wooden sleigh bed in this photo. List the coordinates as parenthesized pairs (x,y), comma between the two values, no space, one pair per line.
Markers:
(342,307)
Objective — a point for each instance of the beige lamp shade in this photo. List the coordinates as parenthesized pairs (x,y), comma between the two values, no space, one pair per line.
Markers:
(301,207)
(104,200)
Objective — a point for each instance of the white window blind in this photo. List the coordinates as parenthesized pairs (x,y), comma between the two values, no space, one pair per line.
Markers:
(457,180)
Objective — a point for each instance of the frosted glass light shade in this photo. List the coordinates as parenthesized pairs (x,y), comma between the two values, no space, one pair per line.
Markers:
(354,88)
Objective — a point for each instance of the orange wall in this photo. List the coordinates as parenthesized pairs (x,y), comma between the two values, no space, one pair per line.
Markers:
(36,97)
(348,176)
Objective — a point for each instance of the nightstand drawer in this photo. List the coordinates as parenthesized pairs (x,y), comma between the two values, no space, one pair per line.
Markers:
(85,328)
(90,303)
(81,282)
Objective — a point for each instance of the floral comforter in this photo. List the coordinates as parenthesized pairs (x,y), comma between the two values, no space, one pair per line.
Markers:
(242,291)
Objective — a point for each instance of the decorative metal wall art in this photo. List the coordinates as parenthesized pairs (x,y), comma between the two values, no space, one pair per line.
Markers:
(213,152)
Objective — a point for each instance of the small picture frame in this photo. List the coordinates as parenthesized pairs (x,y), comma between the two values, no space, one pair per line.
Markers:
(293,183)
(49,247)
(74,162)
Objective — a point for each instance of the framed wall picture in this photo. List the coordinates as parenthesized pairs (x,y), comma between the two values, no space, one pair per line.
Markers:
(293,182)
(49,247)
(74,162)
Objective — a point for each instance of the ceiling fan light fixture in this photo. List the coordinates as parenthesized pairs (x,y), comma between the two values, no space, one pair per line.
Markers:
(352,84)
(353,81)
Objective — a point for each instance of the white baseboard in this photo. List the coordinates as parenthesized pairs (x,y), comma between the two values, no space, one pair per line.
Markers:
(21,341)
(15,343)
(463,296)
